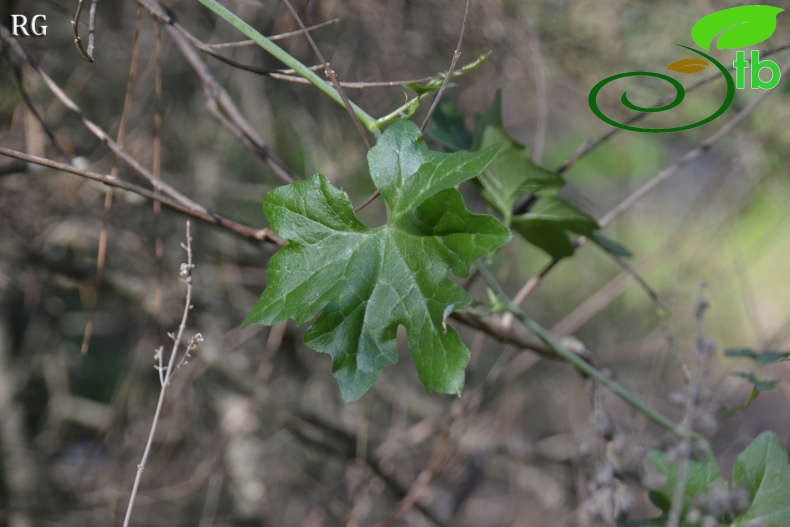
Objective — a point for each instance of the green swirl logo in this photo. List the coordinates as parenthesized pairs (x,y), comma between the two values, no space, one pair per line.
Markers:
(732,28)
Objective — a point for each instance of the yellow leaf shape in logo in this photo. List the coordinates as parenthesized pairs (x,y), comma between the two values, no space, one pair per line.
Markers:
(687,66)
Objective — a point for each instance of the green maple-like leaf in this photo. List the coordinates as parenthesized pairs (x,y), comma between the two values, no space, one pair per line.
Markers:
(513,173)
(365,282)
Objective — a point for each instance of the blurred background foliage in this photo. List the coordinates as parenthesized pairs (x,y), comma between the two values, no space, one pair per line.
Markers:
(527,442)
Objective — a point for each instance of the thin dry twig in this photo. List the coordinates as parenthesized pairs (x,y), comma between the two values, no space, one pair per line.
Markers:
(273,38)
(93,127)
(156,168)
(438,459)
(87,54)
(367,201)
(448,76)
(101,251)
(332,76)
(17,70)
(289,75)
(189,208)
(186,277)
(219,102)
(507,337)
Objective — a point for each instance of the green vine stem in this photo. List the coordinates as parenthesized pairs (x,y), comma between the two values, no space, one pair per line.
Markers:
(587,368)
(371,124)
(280,54)
(407,110)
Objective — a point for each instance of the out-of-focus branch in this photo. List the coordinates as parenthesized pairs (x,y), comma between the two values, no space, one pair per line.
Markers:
(189,208)
(367,120)
(453,62)
(87,54)
(218,100)
(93,127)
(332,76)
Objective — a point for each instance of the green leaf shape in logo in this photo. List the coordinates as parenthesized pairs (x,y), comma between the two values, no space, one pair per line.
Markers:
(365,282)
(688,66)
(736,27)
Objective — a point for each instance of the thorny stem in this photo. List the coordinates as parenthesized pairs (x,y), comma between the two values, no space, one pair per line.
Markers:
(583,365)
(187,278)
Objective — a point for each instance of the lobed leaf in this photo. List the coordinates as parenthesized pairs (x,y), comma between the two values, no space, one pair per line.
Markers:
(365,282)
(513,175)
